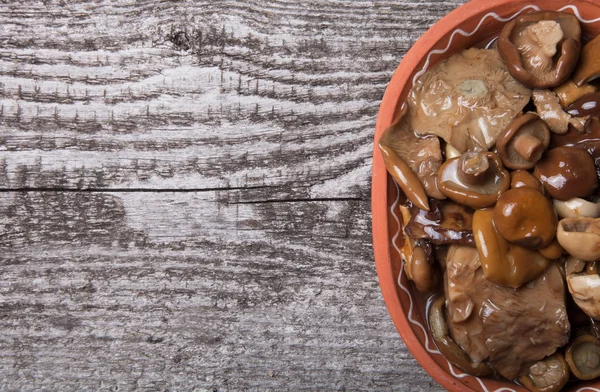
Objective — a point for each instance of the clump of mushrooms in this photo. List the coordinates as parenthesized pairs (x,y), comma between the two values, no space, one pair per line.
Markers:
(518,190)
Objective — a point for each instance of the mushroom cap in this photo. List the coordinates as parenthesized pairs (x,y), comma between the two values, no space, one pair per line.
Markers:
(583,357)
(453,181)
(569,92)
(548,375)
(577,207)
(580,237)
(525,217)
(522,178)
(422,154)
(446,223)
(448,347)
(589,63)
(467,100)
(588,105)
(524,141)
(502,262)
(567,172)
(517,47)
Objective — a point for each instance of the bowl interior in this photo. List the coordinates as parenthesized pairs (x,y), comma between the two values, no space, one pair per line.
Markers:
(469,25)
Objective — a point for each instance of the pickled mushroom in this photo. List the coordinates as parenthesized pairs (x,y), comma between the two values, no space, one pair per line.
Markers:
(508,328)
(449,348)
(589,63)
(525,217)
(523,142)
(547,375)
(549,110)
(583,357)
(569,92)
(504,263)
(467,100)
(580,237)
(585,290)
(541,49)
(475,179)
(567,172)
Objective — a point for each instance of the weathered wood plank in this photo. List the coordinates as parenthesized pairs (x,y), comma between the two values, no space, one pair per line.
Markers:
(166,96)
(179,290)
(185,194)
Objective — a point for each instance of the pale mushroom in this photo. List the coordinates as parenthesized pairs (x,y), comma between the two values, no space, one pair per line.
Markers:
(467,99)
(548,375)
(580,237)
(577,207)
(549,110)
(583,357)
(585,290)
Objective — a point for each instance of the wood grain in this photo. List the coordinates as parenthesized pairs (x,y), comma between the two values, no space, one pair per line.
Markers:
(184,195)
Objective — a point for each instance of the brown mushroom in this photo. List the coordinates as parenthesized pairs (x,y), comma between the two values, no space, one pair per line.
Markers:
(447,346)
(583,357)
(553,114)
(547,375)
(414,173)
(525,217)
(418,257)
(502,262)
(552,251)
(567,172)
(529,46)
(475,179)
(587,105)
(522,178)
(589,64)
(588,140)
(568,92)
(467,100)
(523,142)
(580,237)
(446,223)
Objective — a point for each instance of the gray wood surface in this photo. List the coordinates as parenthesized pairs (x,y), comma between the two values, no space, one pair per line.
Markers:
(185,194)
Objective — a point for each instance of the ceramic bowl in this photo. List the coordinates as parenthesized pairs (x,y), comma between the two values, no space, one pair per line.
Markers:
(464,27)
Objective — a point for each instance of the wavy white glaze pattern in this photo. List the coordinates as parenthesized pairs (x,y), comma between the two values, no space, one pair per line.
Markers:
(457,372)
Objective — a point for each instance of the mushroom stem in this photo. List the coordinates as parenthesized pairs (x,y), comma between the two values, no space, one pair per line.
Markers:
(473,168)
(528,146)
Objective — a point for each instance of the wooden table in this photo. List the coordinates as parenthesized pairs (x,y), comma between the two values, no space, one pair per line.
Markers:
(185,195)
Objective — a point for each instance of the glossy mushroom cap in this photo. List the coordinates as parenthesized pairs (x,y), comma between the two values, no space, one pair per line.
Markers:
(525,217)
(475,179)
(541,49)
(587,105)
(448,347)
(569,92)
(580,237)
(522,178)
(589,63)
(523,142)
(393,146)
(502,262)
(567,172)
(467,100)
